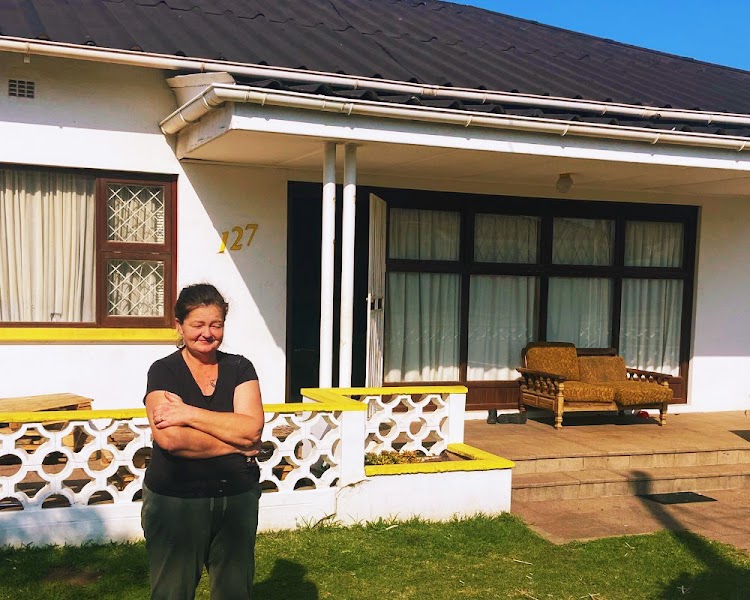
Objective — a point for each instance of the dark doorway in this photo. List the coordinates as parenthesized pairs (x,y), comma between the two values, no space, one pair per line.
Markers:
(304,223)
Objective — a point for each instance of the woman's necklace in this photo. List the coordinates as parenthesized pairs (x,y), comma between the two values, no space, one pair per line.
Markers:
(206,376)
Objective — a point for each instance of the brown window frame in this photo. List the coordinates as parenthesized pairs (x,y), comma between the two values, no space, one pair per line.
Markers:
(106,250)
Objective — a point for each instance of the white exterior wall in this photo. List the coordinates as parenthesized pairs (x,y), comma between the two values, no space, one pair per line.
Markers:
(90,115)
(432,496)
(721,329)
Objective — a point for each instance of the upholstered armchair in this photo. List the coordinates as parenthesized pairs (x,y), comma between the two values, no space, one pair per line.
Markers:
(555,378)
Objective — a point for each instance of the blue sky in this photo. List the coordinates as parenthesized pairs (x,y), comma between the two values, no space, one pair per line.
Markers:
(711,30)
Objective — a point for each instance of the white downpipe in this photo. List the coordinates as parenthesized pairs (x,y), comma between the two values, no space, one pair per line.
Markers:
(328,244)
(165,61)
(216,94)
(347,265)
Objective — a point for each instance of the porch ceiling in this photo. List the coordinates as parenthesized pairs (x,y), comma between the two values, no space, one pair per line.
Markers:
(383,160)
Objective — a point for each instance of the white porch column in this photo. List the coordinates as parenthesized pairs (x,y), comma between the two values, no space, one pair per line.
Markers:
(347,265)
(325,371)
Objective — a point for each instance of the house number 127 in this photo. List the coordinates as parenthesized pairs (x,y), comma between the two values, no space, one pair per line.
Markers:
(238,234)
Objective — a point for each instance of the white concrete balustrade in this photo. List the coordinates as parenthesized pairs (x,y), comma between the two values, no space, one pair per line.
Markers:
(68,477)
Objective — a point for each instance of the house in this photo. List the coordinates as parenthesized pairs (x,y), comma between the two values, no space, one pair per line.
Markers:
(385,190)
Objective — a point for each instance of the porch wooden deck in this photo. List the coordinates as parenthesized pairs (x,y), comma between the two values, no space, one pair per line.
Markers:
(587,479)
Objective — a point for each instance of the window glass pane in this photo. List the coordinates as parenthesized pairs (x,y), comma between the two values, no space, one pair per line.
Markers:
(650,324)
(505,238)
(650,244)
(423,234)
(135,288)
(582,242)
(47,247)
(502,315)
(579,311)
(135,213)
(422,327)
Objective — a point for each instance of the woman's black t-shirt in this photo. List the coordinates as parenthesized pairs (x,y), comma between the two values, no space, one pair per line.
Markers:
(227,475)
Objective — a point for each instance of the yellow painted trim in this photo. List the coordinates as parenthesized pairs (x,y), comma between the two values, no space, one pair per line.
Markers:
(333,398)
(43,416)
(414,389)
(324,400)
(290,407)
(472,453)
(62,335)
(337,399)
(479,460)
(324,406)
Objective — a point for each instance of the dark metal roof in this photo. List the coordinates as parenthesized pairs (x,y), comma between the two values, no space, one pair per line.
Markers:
(424,41)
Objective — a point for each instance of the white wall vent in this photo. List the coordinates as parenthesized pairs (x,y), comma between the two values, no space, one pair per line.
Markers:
(20,88)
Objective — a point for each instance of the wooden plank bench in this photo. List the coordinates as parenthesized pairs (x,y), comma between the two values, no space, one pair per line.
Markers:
(47,402)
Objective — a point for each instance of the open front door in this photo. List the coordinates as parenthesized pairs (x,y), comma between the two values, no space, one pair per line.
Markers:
(376,293)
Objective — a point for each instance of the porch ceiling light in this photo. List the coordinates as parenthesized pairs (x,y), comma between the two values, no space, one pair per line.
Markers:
(564,183)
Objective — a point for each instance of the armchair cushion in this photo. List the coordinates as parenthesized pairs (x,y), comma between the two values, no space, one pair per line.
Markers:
(602,368)
(577,391)
(634,393)
(559,359)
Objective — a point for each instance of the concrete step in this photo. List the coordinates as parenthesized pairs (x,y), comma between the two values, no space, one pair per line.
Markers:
(647,459)
(596,483)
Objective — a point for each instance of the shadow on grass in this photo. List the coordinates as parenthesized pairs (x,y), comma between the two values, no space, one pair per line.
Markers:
(719,579)
(287,580)
(87,572)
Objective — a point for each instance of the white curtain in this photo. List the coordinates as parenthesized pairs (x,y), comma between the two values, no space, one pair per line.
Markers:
(579,308)
(582,242)
(652,308)
(650,324)
(422,327)
(422,309)
(505,238)
(653,244)
(46,247)
(578,311)
(423,234)
(502,313)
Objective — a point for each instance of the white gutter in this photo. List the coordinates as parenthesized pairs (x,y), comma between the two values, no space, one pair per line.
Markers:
(164,61)
(216,94)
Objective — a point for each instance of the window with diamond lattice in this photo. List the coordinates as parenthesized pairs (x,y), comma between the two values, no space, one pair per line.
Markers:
(135,213)
(135,288)
(137,242)
(101,249)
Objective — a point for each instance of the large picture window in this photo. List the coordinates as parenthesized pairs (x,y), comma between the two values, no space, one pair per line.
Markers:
(471,281)
(77,248)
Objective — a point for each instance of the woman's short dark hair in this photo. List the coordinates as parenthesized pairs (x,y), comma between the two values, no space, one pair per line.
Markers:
(194,296)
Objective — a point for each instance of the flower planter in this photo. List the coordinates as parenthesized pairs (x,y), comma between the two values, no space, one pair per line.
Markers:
(472,482)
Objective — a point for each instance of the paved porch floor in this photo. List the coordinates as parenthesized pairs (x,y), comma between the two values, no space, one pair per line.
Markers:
(726,520)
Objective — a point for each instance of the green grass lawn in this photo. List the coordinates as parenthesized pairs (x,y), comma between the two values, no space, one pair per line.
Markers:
(475,559)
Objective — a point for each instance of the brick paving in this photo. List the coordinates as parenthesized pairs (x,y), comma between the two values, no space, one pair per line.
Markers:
(692,447)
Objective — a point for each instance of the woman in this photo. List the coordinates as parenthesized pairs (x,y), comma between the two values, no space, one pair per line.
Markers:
(201,490)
